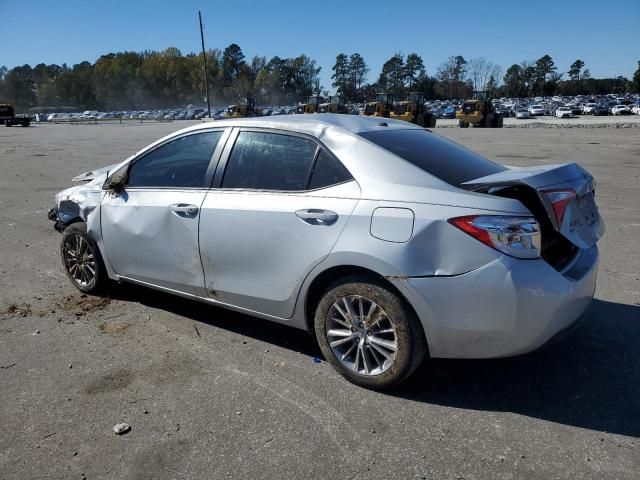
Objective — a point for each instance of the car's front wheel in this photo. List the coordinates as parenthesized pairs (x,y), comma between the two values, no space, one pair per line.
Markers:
(81,259)
(368,333)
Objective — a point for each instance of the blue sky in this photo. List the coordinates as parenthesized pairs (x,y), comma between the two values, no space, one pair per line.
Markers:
(606,35)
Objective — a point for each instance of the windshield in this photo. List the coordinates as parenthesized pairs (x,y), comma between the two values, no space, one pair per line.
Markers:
(442,158)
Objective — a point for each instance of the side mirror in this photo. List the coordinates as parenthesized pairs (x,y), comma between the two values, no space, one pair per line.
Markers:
(116,182)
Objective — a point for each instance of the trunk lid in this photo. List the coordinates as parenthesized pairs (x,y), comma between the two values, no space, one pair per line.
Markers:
(580,223)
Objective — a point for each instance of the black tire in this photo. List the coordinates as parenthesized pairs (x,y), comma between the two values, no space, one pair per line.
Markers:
(410,338)
(100,280)
(462,124)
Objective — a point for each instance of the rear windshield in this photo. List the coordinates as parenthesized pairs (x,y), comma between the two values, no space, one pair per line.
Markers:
(441,158)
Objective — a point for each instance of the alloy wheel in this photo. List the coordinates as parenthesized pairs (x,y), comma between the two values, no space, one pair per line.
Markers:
(361,335)
(79,260)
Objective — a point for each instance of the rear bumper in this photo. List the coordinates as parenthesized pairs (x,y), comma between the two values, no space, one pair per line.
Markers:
(505,308)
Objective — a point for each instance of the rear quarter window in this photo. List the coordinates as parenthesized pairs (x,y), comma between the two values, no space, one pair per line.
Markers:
(434,154)
(328,171)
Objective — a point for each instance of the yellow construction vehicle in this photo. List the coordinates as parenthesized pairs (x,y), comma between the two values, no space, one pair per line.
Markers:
(311,106)
(413,110)
(246,107)
(334,105)
(479,112)
(381,107)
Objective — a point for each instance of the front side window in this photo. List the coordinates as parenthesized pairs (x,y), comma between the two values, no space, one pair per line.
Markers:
(269,161)
(181,163)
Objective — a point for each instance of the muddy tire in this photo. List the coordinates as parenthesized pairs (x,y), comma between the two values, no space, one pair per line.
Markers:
(81,260)
(368,333)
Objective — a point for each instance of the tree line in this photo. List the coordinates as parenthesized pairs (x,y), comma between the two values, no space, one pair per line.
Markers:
(154,79)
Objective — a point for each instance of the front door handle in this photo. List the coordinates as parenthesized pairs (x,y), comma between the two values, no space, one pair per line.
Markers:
(315,216)
(184,210)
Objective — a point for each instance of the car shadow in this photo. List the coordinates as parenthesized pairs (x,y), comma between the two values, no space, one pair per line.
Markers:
(590,379)
(245,325)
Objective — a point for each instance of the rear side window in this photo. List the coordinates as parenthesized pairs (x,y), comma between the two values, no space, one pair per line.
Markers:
(327,171)
(180,163)
(269,161)
(441,158)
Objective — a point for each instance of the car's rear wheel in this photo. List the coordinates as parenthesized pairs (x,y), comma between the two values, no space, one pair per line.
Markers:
(82,260)
(368,333)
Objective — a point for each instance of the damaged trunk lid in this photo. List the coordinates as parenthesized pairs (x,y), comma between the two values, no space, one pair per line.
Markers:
(561,197)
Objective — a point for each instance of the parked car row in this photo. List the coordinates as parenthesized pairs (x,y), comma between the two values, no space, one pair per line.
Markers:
(521,108)
(568,107)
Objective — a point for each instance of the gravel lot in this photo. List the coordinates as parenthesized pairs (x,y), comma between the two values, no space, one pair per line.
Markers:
(214,394)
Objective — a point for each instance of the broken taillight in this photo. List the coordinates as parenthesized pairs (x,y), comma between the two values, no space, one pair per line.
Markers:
(560,199)
(516,236)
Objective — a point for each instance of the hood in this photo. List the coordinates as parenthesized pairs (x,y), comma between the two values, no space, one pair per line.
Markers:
(93,174)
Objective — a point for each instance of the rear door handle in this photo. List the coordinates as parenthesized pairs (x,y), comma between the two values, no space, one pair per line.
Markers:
(315,216)
(184,210)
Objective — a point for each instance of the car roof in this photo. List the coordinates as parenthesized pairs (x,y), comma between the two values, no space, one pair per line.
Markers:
(312,124)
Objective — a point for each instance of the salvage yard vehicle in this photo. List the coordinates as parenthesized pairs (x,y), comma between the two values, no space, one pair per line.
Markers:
(414,110)
(334,105)
(536,110)
(8,118)
(246,107)
(564,112)
(479,112)
(382,106)
(311,106)
(620,110)
(387,241)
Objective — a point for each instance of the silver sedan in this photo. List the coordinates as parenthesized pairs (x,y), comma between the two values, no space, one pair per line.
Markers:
(386,240)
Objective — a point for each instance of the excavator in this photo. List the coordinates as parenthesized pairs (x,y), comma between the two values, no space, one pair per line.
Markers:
(479,112)
(334,105)
(311,106)
(413,110)
(246,107)
(381,107)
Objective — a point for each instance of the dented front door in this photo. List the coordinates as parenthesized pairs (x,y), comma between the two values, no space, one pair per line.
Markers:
(152,236)
(150,229)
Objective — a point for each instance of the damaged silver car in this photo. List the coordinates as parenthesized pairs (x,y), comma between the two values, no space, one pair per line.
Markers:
(388,241)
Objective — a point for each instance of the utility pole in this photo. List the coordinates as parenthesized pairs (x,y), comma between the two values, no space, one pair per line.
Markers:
(204,60)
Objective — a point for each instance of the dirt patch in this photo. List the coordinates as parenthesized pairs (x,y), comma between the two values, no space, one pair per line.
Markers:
(110,381)
(113,327)
(16,310)
(81,304)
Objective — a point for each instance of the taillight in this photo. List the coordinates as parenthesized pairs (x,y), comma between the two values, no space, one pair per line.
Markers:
(515,236)
(560,199)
